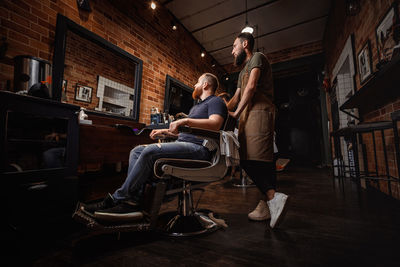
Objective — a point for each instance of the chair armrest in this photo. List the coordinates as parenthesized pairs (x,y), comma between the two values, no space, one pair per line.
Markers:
(132,130)
(200,132)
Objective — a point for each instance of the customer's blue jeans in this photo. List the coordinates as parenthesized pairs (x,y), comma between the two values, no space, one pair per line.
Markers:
(142,159)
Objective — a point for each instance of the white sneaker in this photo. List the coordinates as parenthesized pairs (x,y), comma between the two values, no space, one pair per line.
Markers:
(277,208)
(260,213)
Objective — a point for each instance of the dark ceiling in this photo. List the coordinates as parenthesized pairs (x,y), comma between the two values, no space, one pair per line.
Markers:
(278,24)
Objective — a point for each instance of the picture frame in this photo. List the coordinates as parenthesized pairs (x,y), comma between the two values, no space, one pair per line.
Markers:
(83,93)
(364,62)
(64,87)
(384,33)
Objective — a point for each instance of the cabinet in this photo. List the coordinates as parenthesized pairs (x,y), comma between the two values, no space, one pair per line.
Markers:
(38,158)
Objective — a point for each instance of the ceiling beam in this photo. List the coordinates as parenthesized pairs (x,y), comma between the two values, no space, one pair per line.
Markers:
(233,16)
(276,31)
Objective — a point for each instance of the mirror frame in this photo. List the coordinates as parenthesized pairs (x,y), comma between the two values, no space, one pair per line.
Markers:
(168,83)
(64,25)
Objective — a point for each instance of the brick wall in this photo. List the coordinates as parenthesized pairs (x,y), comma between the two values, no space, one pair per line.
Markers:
(363,26)
(29,28)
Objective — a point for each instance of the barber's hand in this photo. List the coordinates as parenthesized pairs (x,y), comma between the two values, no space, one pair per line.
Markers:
(232,114)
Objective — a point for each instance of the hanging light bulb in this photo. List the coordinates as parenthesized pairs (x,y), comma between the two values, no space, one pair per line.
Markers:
(247,27)
(153,5)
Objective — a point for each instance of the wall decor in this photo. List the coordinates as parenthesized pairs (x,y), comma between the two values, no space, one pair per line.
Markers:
(364,60)
(83,93)
(384,33)
(64,91)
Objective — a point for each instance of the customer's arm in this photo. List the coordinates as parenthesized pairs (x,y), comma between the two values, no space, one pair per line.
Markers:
(214,123)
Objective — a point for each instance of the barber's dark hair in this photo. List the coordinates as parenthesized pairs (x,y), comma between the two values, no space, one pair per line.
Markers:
(249,37)
(212,80)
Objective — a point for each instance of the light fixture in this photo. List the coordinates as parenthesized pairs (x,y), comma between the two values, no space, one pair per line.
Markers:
(203,54)
(173,26)
(352,7)
(247,28)
(153,5)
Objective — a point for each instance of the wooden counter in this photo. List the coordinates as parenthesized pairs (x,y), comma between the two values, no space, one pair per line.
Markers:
(103,143)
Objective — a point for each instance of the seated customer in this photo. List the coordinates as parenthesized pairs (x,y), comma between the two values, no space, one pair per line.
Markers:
(209,113)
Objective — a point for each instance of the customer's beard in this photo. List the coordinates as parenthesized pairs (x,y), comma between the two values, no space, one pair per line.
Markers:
(240,58)
(196,94)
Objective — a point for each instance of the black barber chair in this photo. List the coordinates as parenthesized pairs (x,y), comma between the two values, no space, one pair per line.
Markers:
(192,174)
(185,176)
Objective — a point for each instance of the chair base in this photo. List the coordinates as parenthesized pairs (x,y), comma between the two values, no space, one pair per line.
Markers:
(243,183)
(176,225)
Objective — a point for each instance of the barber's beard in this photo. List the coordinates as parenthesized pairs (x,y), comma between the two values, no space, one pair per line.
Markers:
(240,58)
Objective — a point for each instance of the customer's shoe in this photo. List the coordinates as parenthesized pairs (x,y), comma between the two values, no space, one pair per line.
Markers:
(120,208)
(106,203)
(124,211)
(260,213)
(277,208)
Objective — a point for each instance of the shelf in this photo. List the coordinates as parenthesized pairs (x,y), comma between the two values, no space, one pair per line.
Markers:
(24,142)
(381,89)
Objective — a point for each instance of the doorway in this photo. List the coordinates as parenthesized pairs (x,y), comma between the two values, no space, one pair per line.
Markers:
(298,122)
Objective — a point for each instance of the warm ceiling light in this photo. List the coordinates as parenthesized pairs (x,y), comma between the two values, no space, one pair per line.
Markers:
(174,27)
(203,54)
(248,29)
(153,5)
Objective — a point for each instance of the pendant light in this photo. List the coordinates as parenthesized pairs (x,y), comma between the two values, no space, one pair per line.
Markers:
(247,27)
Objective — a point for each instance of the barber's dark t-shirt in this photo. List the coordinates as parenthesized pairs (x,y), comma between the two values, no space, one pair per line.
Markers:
(203,110)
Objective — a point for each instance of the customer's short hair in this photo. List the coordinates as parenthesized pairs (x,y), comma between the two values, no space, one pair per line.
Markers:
(212,80)
(249,37)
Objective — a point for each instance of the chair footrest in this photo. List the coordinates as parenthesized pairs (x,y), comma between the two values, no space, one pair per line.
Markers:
(136,223)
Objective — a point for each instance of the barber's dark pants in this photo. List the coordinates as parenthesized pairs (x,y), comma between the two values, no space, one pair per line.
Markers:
(262,173)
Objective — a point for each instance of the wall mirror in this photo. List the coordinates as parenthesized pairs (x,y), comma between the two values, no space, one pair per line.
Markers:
(178,97)
(93,73)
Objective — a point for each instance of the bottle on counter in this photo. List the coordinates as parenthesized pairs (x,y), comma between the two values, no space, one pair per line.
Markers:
(153,116)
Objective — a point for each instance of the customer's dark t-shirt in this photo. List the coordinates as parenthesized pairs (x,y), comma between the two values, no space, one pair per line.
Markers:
(203,110)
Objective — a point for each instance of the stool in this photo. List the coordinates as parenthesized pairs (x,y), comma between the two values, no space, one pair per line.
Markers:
(395,118)
(339,167)
(355,132)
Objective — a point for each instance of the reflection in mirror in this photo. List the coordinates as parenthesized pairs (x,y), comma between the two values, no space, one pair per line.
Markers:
(95,74)
(35,142)
(112,89)
(178,97)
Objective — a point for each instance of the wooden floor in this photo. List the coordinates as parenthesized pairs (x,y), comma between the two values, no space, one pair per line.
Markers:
(328,224)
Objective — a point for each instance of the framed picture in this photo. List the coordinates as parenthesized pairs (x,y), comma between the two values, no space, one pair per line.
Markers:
(83,93)
(64,90)
(64,86)
(384,33)
(364,60)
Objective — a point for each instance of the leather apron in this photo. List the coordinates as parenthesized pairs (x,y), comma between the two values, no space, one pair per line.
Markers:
(256,124)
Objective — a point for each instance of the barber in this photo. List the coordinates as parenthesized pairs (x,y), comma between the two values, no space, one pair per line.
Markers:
(253,105)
